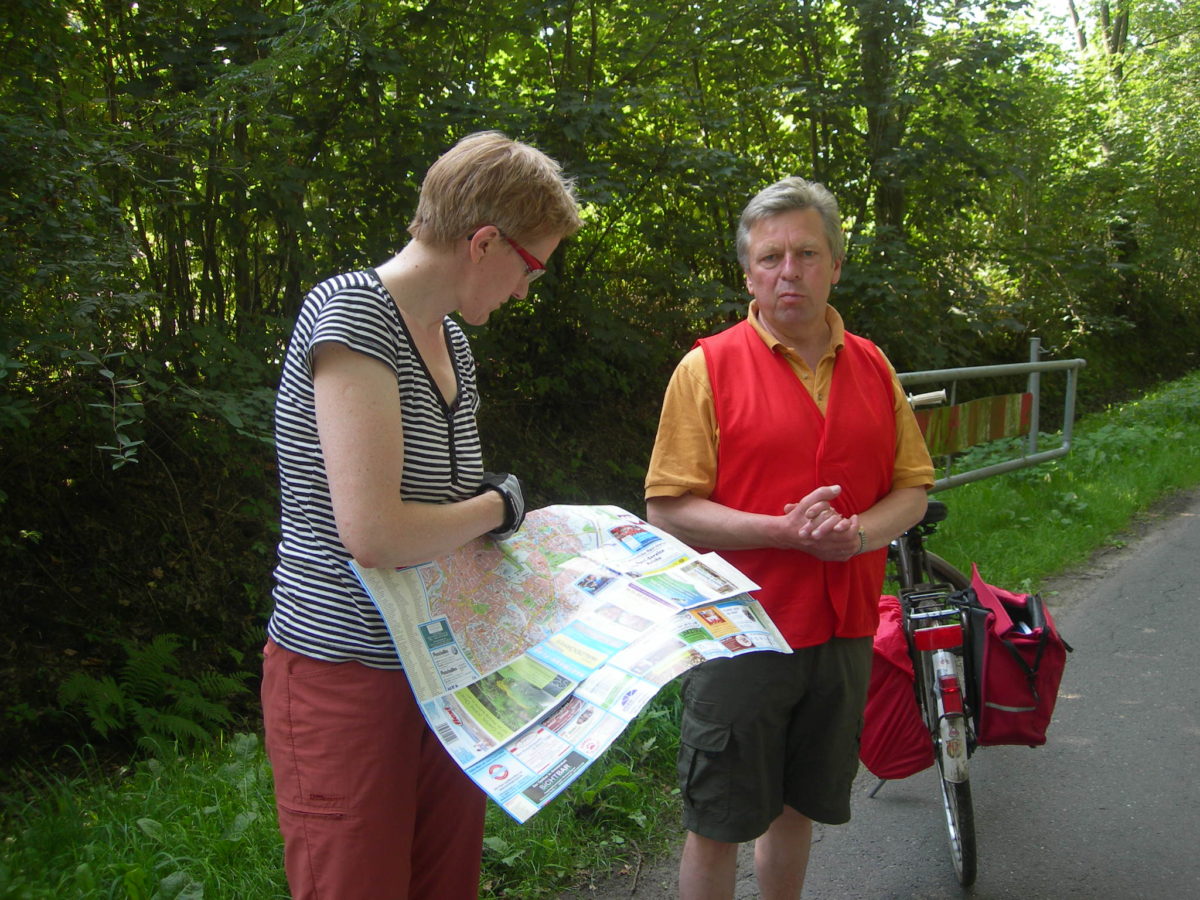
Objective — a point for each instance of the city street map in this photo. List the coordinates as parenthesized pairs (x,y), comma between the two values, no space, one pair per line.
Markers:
(530,656)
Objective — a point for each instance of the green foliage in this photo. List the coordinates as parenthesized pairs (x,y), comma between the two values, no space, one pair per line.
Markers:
(237,156)
(152,701)
(14,409)
(1028,524)
(622,810)
(175,178)
(121,412)
(205,823)
(173,827)
(96,558)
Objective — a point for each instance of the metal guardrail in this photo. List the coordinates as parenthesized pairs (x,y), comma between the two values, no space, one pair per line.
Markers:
(1034,369)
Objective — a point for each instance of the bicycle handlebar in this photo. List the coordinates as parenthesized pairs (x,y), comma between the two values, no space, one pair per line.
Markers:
(927,399)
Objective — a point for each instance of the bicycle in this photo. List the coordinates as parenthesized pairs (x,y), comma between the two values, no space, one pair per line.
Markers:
(931,593)
(934,598)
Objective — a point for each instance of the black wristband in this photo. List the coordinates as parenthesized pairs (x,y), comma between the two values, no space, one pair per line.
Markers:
(509,488)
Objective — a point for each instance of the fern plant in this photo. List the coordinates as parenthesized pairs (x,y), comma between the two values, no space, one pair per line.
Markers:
(151,701)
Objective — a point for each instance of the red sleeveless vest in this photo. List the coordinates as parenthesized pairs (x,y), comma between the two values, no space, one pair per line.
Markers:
(774,447)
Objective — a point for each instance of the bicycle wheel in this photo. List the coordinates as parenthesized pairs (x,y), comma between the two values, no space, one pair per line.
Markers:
(956,795)
(960,826)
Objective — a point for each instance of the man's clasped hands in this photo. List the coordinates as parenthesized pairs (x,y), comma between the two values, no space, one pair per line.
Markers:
(821,530)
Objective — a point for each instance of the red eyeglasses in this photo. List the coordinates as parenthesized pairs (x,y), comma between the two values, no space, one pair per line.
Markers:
(534,267)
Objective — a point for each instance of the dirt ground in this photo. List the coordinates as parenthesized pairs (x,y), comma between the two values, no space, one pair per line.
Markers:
(657,879)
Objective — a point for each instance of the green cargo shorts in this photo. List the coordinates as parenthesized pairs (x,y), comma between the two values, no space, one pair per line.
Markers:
(764,729)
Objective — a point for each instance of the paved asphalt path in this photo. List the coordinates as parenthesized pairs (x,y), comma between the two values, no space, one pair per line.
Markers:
(1110,806)
(1108,809)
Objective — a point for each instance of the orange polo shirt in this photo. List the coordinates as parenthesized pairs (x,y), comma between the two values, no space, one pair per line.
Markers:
(685,452)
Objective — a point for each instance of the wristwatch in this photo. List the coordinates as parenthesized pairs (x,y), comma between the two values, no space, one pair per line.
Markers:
(862,540)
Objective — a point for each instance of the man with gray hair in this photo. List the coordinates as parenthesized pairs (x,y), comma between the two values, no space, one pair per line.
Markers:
(785,444)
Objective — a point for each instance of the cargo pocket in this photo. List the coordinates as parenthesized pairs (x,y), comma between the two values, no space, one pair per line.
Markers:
(704,778)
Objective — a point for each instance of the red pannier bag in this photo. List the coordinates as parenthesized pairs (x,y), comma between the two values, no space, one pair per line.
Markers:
(1017,658)
(895,742)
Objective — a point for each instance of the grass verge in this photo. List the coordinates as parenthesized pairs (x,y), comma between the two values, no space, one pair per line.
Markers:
(1027,525)
(169,827)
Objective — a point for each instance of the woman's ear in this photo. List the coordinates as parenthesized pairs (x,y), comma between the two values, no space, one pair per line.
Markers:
(481,240)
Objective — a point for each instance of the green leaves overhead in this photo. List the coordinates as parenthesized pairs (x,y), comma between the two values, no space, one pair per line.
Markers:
(181,170)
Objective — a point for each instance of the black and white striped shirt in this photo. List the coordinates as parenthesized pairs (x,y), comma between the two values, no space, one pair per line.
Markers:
(321,609)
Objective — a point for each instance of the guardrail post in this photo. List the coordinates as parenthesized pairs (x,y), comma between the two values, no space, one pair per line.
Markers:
(1035,388)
